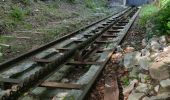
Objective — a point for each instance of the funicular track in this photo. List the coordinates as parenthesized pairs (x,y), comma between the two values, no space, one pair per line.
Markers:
(91,48)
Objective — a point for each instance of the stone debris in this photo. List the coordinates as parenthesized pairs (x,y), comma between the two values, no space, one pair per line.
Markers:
(129,60)
(142,77)
(119,49)
(129,49)
(134,72)
(136,96)
(130,87)
(144,43)
(165,83)
(155,46)
(162,96)
(142,88)
(163,40)
(151,66)
(159,70)
(144,62)
(156,88)
(145,52)
(146,98)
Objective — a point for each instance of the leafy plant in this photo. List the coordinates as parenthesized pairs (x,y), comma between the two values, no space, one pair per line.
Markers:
(17,13)
(161,20)
(125,80)
(146,12)
(90,4)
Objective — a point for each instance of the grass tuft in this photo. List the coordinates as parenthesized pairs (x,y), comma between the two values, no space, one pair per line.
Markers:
(17,13)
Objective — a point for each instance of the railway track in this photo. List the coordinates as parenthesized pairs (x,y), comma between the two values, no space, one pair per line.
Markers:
(38,73)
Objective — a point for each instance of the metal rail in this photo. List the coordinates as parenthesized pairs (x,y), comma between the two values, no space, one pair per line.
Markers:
(86,47)
(12,61)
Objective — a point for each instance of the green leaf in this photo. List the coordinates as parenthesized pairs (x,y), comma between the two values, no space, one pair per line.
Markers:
(168,24)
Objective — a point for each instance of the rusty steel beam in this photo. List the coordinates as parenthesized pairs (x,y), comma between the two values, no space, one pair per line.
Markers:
(61,85)
(41,60)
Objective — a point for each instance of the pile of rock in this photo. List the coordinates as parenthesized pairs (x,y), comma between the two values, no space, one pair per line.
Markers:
(149,70)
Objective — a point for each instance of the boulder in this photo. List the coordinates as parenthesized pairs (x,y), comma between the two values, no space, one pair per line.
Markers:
(144,63)
(143,77)
(142,88)
(134,72)
(155,46)
(136,96)
(162,96)
(130,60)
(159,71)
(127,90)
(165,83)
(146,98)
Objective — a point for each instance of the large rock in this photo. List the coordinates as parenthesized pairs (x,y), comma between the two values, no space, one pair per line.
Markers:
(136,96)
(134,72)
(163,96)
(143,88)
(143,77)
(165,83)
(146,98)
(144,63)
(130,60)
(160,69)
(155,46)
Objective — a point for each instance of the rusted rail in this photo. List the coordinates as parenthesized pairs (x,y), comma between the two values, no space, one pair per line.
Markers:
(74,52)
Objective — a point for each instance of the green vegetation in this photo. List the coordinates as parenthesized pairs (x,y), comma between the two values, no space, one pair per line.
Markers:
(164,3)
(23,2)
(93,4)
(156,19)
(17,14)
(146,12)
(71,1)
(125,80)
(161,20)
